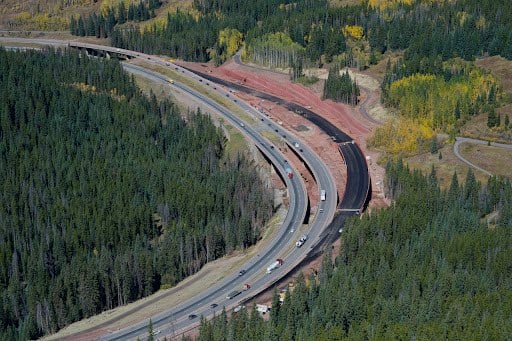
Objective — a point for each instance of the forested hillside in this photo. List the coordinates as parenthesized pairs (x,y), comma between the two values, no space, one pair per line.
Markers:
(280,33)
(106,195)
(464,28)
(436,265)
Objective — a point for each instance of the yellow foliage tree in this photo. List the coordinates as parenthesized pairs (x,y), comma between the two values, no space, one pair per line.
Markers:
(428,103)
(403,136)
(435,100)
(232,39)
(382,4)
(353,31)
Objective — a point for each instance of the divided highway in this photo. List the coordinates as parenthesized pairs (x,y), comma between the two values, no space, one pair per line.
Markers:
(181,317)
(358,184)
(213,299)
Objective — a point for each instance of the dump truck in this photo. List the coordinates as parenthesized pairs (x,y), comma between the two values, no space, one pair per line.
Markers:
(278,262)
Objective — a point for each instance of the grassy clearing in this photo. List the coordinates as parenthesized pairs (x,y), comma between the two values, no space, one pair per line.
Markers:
(236,142)
(378,70)
(444,167)
(341,3)
(272,137)
(477,128)
(496,160)
(307,81)
(500,68)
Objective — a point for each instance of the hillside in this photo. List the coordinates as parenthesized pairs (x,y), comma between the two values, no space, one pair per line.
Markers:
(107,195)
(54,15)
(433,266)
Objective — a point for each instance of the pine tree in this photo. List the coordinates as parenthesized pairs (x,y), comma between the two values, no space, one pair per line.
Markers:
(151,336)
(492,118)
(81,27)
(121,13)
(73,29)
(434,148)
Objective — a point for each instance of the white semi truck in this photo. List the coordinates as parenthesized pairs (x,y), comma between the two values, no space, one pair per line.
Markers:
(278,262)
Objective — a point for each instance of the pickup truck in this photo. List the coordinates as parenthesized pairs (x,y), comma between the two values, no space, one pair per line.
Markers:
(301,241)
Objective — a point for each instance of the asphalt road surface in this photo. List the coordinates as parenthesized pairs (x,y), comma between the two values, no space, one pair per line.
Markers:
(177,318)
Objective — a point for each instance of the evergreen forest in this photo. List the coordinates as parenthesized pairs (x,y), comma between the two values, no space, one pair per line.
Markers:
(436,265)
(341,87)
(107,195)
(319,31)
(297,34)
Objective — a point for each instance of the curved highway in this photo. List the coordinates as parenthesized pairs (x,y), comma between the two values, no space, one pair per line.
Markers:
(176,319)
(212,300)
(358,180)
(358,186)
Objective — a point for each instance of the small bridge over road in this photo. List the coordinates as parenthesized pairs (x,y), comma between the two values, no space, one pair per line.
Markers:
(104,51)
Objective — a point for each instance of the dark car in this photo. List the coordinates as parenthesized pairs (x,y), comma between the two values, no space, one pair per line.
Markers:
(241,272)
(192,316)
(213,305)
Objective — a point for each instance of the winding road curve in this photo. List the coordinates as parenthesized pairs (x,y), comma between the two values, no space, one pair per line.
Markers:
(321,231)
(460,140)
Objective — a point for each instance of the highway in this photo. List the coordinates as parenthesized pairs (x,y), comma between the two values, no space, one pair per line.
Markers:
(176,319)
(358,186)
(358,183)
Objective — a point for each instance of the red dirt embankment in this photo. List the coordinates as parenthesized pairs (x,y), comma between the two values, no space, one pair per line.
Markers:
(345,117)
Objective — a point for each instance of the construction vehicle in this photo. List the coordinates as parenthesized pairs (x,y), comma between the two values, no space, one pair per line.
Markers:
(278,262)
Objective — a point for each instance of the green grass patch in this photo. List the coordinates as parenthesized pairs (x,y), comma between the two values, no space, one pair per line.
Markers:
(307,80)
(493,159)
(445,167)
(237,144)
